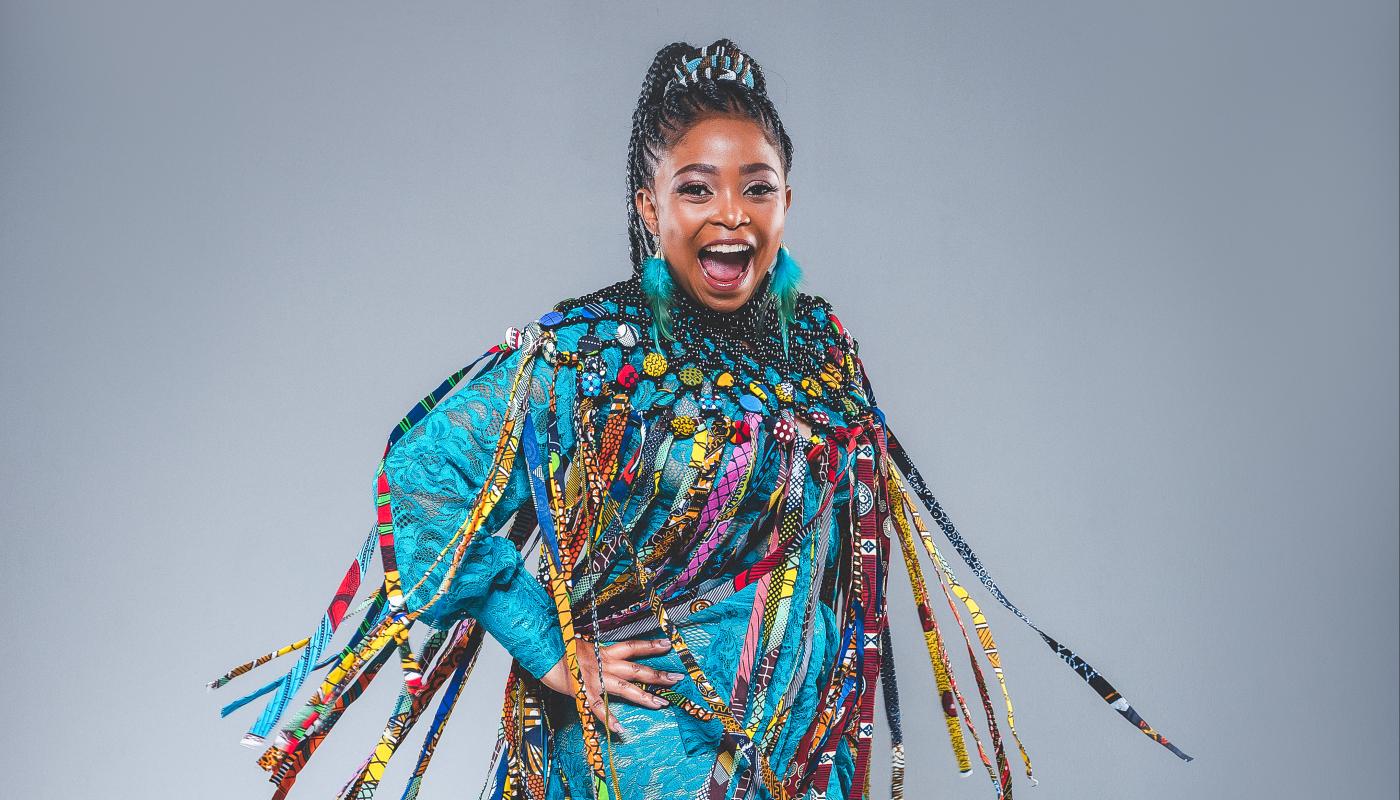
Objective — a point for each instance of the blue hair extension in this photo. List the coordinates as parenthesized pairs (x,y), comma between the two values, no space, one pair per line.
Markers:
(657,286)
(787,276)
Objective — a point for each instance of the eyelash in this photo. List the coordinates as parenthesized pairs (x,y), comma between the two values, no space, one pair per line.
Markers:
(766,187)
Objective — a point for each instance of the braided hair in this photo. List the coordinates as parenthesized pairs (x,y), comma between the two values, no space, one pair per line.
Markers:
(684,85)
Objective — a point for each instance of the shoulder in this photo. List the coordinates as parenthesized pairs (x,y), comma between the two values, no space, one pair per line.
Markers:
(819,319)
(816,314)
(605,319)
(601,312)
(617,301)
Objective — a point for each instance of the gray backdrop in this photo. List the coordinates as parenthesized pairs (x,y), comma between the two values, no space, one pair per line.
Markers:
(1124,274)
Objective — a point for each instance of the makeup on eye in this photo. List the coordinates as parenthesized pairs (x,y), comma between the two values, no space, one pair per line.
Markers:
(766,188)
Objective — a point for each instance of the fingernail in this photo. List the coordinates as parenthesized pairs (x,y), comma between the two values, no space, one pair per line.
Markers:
(675,677)
(664,643)
(659,702)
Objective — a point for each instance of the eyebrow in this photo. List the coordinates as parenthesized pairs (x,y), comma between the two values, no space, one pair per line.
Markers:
(710,169)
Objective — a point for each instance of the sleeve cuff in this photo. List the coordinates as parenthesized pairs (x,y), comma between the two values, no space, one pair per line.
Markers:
(519,613)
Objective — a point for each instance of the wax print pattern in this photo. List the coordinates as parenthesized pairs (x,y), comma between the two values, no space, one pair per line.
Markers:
(737,493)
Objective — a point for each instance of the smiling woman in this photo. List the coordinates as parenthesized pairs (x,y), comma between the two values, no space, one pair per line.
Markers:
(696,457)
(717,201)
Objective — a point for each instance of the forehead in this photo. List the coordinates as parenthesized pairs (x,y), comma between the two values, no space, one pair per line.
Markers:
(723,141)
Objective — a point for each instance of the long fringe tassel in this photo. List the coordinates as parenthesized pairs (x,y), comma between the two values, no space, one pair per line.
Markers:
(892,716)
(430,742)
(933,639)
(383,633)
(409,708)
(990,650)
(1098,682)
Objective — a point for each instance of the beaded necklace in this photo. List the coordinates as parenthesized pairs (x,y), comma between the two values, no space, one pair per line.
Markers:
(738,355)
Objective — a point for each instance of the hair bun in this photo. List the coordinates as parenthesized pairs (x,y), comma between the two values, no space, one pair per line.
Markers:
(714,62)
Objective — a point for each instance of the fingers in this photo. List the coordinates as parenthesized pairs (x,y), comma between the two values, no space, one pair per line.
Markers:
(641,673)
(600,710)
(620,677)
(637,648)
(619,688)
(617,663)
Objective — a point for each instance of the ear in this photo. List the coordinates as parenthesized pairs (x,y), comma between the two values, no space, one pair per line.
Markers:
(787,197)
(646,207)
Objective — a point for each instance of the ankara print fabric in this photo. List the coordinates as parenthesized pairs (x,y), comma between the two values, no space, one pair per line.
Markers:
(733,488)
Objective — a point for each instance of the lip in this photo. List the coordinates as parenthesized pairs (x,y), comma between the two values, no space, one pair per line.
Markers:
(728,241)
(721,286)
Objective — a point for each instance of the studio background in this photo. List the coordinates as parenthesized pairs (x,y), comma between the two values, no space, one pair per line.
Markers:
(1124,275)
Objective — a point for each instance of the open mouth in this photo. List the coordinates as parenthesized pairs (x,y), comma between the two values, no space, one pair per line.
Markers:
(725,265)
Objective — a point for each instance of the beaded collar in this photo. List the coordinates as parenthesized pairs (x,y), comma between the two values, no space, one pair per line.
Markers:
(738,355)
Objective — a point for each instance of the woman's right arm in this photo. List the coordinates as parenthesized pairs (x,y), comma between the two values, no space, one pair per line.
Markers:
(435,473)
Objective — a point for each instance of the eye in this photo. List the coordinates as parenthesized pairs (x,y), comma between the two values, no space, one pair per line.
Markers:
(763,188)
(694,189)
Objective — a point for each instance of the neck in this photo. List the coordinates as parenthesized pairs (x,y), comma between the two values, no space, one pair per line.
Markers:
(749,319)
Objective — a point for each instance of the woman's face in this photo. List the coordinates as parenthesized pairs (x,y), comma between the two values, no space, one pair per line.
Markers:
(717,203)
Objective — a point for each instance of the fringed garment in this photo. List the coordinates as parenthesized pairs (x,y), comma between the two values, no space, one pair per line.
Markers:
(732,489)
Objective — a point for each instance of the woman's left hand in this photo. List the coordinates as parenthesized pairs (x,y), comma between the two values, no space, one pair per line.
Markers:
(620,676)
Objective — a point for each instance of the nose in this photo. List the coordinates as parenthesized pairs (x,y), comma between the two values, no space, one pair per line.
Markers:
(729,211)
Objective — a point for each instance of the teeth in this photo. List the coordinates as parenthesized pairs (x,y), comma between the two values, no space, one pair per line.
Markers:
(728,248)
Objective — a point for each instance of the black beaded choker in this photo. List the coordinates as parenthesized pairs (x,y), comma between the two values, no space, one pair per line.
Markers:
(754,321)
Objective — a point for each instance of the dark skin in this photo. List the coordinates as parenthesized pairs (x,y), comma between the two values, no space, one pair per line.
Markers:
(721,180)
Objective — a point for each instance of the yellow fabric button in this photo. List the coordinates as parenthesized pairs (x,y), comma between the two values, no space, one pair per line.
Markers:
(683,426)
(654,365)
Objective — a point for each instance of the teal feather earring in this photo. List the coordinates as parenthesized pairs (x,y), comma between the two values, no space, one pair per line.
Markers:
(787,276)
(657,287)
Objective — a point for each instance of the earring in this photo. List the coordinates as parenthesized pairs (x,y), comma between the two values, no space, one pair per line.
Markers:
(787,276)
(657,287)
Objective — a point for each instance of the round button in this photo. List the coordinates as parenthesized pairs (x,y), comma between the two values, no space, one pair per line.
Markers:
(626,335)
(691,375)
(654,364)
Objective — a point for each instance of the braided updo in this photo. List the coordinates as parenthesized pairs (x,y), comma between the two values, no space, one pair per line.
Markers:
(684,85)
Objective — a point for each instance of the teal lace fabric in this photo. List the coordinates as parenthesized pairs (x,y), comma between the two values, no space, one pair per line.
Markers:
(436,471)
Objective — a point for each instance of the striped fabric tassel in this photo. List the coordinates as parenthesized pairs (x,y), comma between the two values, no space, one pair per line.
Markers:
(933,639)
(892,716)
(409,708)
(349,585)
(430,742)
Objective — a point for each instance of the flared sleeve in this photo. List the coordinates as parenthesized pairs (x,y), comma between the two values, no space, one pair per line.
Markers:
(436,472)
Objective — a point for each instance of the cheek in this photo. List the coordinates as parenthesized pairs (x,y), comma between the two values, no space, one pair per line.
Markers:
(770,215)
(682,222)
(770,218)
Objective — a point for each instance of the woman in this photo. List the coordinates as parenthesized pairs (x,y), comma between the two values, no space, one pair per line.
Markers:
(698,456)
